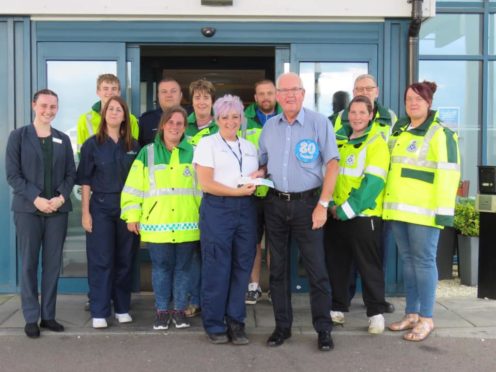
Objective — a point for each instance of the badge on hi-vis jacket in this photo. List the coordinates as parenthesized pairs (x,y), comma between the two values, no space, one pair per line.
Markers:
(307,151)
(412,147)
(350,160)
(187,172)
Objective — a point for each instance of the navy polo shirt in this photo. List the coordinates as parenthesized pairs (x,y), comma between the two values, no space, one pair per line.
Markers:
(104,166)
(148,125)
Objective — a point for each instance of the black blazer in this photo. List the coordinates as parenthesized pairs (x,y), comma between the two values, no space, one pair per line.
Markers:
(24,166)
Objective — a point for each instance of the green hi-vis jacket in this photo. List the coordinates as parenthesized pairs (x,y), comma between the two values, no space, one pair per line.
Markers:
(383,121)
(363,167)
(424,173)
(89,123)
(193,135)
(162,194)
(253,126)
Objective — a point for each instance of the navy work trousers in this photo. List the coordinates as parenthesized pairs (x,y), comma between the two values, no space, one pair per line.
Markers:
(109,249)
(283,218)
(228,241)
(36,232)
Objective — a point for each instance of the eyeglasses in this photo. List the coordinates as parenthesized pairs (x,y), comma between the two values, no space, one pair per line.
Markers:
(364,89)
(289,91)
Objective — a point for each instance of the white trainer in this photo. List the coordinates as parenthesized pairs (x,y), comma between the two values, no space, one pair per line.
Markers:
(376,324)
(99,323)
(123,318)
(337,317)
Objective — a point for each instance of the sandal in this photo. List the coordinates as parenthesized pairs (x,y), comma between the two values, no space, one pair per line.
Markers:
(409,321)
(420,332)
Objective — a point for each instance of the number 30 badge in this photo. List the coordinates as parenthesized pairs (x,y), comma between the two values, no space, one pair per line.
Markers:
(307,151)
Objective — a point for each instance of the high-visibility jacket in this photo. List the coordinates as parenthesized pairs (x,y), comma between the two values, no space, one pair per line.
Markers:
(162,194)
(194,135)
(89,123)
(383,122)
(363,167)
(424,173)
(253,126)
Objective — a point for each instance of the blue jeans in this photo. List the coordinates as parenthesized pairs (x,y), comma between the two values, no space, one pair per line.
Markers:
(171,264)
(417,245)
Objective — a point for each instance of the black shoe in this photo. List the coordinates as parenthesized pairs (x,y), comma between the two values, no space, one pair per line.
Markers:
(388,307)
(279,336)
(52,325)
(32,330)
(325,341)
(236,333)
(218,338)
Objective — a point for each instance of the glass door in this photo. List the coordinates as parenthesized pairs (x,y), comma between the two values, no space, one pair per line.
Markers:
(324,70)
(71,70)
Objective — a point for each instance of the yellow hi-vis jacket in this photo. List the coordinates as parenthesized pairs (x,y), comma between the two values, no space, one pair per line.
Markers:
(383,121)
(89,123)
(162,194)
(363,167)
(424,174)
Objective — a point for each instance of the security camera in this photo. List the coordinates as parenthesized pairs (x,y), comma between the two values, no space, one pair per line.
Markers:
(208,31)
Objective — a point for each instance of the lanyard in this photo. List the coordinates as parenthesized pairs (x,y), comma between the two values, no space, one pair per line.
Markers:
(238,158)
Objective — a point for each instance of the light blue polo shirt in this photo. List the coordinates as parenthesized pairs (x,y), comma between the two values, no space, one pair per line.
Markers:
(295,154)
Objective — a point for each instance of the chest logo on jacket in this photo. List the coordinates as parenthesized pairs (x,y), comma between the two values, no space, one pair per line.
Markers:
(412,147)
(350,160)
(187,172)
(307,151)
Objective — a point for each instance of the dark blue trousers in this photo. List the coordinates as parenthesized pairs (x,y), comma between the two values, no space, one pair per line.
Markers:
(228,242)
(109,249)
(35,233)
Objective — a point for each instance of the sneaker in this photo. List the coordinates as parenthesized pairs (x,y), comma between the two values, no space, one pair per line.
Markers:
(376,324)
(253,296)
(123,318)
(236,333)
(337,317)
(100,323)
(192,311)
(179,319)
(162,320)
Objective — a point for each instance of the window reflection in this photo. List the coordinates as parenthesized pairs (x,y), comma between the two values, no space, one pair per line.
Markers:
(75,84)
(451,34)
(458,100)
(322,79)
(491,125)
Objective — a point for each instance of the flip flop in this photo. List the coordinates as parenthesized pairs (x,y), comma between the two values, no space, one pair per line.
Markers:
(409,321)
(420,332)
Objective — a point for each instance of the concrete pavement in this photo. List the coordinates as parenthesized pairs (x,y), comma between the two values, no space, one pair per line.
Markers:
(454,317)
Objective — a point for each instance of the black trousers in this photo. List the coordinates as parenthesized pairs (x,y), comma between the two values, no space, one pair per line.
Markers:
(357,241)
(283,218)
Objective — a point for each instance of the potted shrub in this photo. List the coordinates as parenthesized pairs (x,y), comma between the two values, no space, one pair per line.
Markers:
(466,222)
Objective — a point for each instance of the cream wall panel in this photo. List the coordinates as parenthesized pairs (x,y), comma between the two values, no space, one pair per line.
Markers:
(192,9)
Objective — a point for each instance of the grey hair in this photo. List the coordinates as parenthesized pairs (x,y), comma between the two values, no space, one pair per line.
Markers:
(278,81)
(366,76)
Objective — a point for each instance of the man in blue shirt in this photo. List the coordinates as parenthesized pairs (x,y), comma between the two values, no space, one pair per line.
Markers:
(295,146)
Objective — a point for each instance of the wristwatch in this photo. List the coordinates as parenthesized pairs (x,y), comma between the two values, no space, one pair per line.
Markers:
(323,203)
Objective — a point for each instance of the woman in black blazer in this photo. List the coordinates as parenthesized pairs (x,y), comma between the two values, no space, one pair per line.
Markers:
(40,169)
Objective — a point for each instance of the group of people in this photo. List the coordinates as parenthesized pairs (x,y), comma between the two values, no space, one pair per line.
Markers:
(186,187)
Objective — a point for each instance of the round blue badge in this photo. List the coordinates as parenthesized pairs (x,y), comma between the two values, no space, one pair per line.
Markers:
(307,151)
